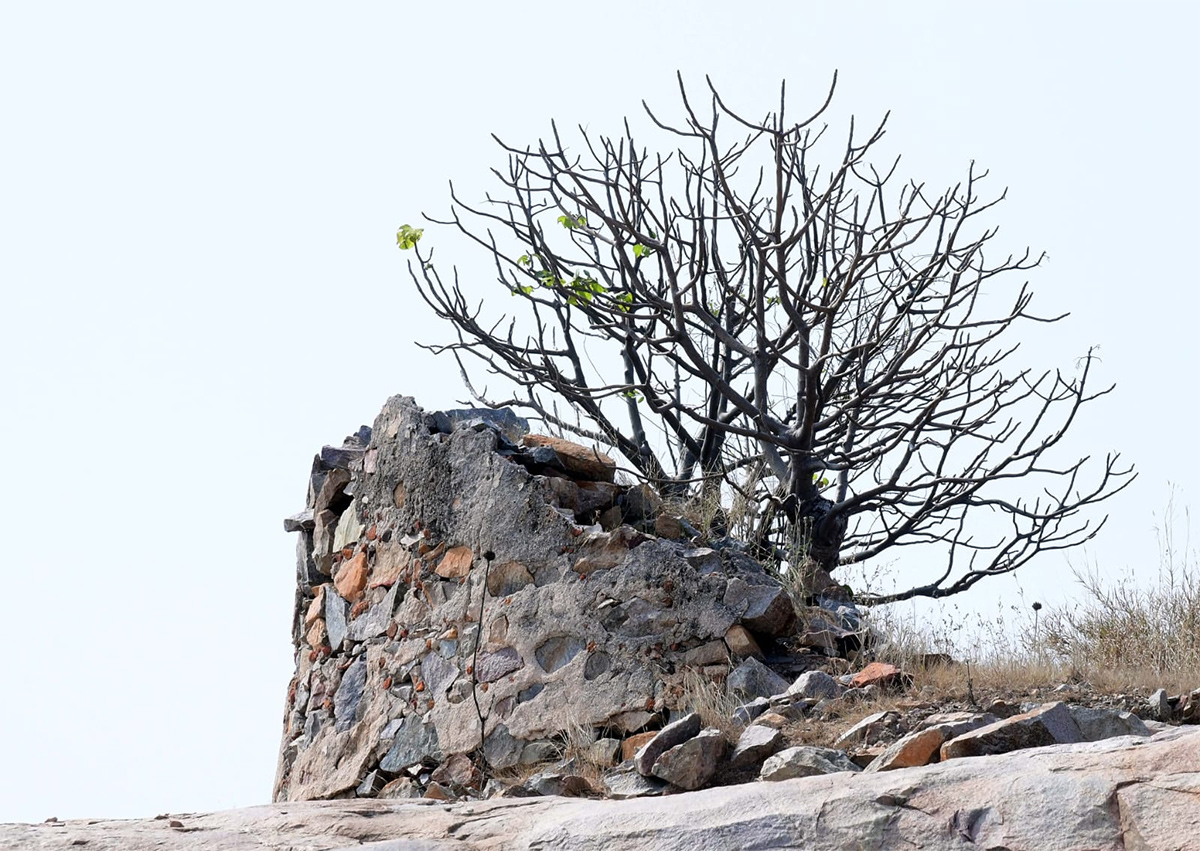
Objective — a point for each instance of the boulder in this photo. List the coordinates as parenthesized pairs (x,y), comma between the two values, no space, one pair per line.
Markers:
(754,679)
(692,764)
(675,733)
(1047,725)
(805,761)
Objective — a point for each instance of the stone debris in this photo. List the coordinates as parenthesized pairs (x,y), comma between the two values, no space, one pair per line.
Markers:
(691,764)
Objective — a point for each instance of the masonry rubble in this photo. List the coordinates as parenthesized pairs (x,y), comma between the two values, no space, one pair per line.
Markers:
(473,599)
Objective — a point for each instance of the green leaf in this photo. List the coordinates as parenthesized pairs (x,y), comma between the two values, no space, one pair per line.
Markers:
(640,250)
(408,236)
(524,260)
(572,222)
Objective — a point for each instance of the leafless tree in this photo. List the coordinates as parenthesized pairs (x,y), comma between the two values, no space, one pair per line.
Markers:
(816,342)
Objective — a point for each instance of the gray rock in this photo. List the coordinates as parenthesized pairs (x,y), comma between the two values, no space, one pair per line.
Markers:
(675,733)
(349,693)
(376,619)
(747,712)
(754,679)
(341,457)
(922,746)
(558,651)
(628,783)
(692,764)
(1160,705)
(816,684)
(756,743)
(302,522)
(337,611)
(557,783)
(1099,723)
(501,749)
(539,752)
(438,673)
(1047,725)
(805,761)
(415,742)
(503,420)
(765,608)
(493,666)
(870,728)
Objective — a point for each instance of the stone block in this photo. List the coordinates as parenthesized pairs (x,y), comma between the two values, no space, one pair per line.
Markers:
(1049,724)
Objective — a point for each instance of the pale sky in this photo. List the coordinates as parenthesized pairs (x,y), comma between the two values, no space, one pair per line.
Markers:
(201,287)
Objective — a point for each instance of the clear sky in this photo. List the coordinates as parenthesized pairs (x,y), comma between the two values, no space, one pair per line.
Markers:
(200,287)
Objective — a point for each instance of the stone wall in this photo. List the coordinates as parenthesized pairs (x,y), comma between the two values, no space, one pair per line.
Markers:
(589,619)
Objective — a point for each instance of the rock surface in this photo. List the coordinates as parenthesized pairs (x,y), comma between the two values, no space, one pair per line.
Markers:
(1114,794)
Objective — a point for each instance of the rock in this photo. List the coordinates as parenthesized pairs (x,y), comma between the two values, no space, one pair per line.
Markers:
(692,764)
(805,761)
(391,561)
(401,787)
(631,745)
(501,749)
(814,684)
(572,458)
(666,526)
(763,608)
(375,620)
(503,420)
(878,674)
(458,771)
(869,729)
(507,578)
(742,644)
(774,720)
(558,651)
(349,530)
(557,783)
(1160,705)
(1190,710)
(605,550)
(603,752)
(302,522)
(415,741)
(747,712)
(756,743)
(923,746)
(349,693)
(628,783)
(437,674)
(456,563)
(316,609)
(536,753)
(1047,725)
(501,663)
(1099,723)
(371,785)
(754,679)
(337,611)
(712,653)
(675,733)
(351,578)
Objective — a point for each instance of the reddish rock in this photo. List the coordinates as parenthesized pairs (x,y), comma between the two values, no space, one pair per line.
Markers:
(352,578)
(391,560)
(455,564)
(316,608)
(579,460)
(316,635)
(742,644)
(633,744)
(878,674)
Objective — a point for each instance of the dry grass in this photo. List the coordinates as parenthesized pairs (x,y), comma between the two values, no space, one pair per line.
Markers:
(1128,635)
(709,700)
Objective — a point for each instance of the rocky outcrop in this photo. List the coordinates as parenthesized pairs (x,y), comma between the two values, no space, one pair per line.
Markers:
(464,587)
(1127,792)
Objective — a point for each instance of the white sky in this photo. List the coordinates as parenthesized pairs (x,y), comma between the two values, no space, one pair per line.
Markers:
(200,287)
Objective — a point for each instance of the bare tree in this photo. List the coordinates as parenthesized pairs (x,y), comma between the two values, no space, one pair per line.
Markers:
(736,319)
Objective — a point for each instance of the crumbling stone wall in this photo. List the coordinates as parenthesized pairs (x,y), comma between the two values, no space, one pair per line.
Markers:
(588,619)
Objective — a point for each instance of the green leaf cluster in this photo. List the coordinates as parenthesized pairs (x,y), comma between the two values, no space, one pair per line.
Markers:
(407,237)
